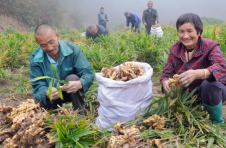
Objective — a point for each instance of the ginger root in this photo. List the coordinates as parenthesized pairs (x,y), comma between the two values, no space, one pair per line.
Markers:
(155,26)
(156,122)
(123,137)
(173,82)
(125,72)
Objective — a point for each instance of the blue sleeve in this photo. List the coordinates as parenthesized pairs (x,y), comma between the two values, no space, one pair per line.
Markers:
(99,18)
(40,87)
(106,17)
(135,20)
(127,22)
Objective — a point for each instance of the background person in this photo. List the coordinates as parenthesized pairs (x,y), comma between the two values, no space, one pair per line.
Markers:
(102,18)
(134,20)
(70,64)
(150,17)
(200,63)
(94,31)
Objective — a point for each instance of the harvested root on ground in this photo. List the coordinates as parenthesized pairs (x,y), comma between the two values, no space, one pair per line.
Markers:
(124,137)
(26,126)
(155,26)
(156,122)
(173,82)
(125,72)
(4,111)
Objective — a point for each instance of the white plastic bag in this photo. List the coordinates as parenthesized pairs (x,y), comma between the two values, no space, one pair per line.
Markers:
(121,101)
(157,31)
(83,34)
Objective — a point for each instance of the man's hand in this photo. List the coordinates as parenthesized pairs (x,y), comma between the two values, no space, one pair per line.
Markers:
(145,24)
(134,28)
(72,87)
(186,78)
(166,86)
(55,94)
(106,20)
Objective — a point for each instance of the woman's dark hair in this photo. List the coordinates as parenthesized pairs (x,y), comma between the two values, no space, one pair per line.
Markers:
(190,18)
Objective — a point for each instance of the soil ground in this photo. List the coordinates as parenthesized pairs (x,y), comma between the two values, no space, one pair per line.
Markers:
(7,21)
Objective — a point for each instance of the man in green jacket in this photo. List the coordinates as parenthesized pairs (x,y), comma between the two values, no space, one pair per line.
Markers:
(150,17)
(70,64)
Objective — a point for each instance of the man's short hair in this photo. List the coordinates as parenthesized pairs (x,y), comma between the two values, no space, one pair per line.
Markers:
(101,8)
(190,18)
(42,29)
(93,26)
(126,13)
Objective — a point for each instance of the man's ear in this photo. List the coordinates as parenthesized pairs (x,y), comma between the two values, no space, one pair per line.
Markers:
(58,35)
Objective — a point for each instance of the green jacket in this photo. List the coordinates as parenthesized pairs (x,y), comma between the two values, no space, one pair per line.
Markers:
(71,61)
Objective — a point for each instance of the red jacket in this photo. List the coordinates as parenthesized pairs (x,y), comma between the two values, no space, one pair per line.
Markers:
(207,55)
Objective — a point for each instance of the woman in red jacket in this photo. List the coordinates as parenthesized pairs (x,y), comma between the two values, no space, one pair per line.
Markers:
(200,63)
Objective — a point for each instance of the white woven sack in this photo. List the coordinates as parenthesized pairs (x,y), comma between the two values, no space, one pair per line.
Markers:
(157,31)
(121,101)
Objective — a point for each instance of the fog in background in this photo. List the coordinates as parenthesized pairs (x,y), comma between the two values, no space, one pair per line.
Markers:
(168,10)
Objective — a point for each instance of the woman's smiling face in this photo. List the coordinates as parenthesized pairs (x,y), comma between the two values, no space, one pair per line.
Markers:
(188,35)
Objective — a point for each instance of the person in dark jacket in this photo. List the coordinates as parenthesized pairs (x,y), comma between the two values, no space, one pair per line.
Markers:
(134,20)
(150,17)
(102,18)
(70,64)
(94,31)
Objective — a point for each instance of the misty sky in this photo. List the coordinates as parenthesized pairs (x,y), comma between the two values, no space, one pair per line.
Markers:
(168,10)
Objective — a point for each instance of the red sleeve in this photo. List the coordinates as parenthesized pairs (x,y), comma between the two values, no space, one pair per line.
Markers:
(217,62)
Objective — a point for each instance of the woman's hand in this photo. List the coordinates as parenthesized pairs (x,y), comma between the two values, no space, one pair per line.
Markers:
(186,78)
(166,86)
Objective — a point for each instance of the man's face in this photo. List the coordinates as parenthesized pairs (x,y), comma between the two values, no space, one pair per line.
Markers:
(128,15)
(102,10)
(150,5)
(93,31)
(49,42)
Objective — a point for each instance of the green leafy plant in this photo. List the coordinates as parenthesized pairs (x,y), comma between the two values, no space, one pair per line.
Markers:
(71,130)
(23,85)
(187,122)
(52,83)
(2,73)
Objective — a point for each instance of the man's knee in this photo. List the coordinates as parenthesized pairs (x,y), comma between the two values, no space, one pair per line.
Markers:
(72,77)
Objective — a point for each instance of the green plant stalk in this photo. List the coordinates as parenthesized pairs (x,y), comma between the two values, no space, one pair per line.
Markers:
(52,82)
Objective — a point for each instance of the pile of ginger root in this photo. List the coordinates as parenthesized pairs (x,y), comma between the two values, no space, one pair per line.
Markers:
(125,72)
(155,26)
(124,136)
(23,126)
